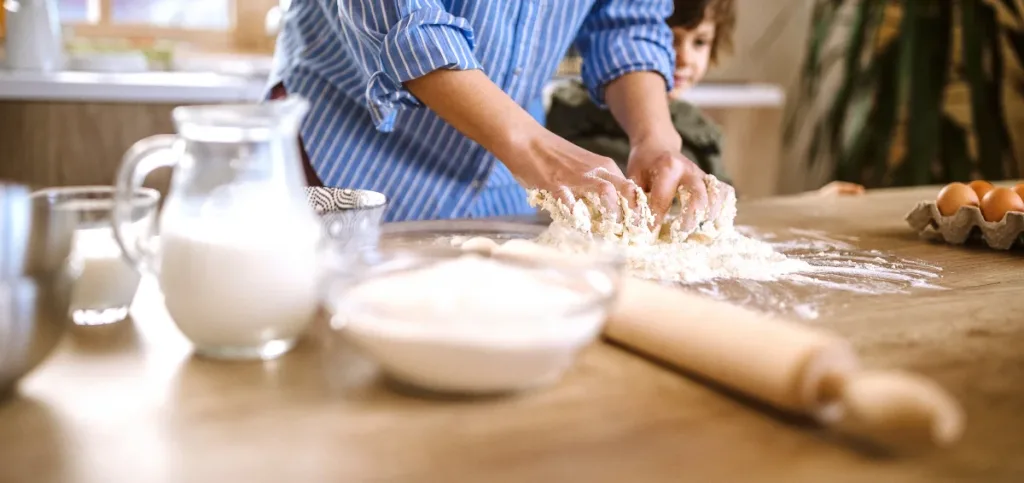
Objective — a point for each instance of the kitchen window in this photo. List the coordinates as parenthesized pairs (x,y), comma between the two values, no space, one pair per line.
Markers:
(183,14)
(75,11)
(212,25)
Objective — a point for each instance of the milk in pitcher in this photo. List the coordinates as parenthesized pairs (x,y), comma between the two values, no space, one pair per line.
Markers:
(243,286)
(237,259)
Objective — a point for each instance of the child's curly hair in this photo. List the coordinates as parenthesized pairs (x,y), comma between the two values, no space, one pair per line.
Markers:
(688,14)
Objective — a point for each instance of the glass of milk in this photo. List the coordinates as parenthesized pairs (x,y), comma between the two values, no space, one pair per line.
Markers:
(106,287)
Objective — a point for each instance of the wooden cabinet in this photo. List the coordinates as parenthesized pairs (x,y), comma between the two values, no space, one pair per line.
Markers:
(70,143)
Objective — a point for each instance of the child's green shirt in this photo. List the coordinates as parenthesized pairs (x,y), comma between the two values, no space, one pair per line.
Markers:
(575,117)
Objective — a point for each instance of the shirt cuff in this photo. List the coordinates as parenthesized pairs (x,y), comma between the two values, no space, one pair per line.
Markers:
(623,52)
(424,41)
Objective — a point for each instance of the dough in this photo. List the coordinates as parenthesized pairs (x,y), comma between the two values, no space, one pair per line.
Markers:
(588,216)
(479,244)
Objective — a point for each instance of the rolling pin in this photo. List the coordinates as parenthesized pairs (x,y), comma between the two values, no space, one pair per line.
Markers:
(792,367)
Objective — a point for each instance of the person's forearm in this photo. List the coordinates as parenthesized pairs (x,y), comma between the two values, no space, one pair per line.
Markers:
(471,103)
(639,102)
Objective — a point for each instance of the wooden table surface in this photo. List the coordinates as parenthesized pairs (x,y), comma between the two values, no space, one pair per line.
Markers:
(129,404)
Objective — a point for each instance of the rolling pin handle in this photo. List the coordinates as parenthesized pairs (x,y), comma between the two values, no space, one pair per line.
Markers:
(897,405)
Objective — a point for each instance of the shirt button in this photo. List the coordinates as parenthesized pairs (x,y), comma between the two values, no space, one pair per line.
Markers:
(476,185)
(517,71)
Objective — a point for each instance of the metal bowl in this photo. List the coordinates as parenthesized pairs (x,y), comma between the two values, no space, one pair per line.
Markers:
(35,280)
(33,318)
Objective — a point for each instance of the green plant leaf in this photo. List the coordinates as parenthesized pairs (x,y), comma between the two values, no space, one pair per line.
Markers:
(1010,169)
(1010,5)
(980,37)
(1013,37)
(868,16)
(956,161)
(883,123)
(1016,41)
(823,17)
(865,158)
(924,63)
(857,135)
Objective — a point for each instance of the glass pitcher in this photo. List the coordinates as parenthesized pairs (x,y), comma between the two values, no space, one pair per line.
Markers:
(238,246)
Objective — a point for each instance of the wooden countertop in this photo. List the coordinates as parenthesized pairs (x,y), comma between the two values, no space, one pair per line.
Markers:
(128,403)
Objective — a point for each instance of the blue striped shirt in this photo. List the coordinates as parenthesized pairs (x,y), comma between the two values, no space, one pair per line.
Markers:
(350,58)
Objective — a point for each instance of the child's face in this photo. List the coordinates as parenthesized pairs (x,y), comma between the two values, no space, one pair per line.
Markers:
(693,54)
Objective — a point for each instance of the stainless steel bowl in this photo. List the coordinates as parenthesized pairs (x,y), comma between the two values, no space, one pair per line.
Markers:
(35,280)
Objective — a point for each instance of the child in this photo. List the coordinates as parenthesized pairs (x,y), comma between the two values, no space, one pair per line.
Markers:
(703,31)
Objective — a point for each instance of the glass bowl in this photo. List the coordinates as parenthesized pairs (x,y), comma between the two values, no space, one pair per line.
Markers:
(469,322)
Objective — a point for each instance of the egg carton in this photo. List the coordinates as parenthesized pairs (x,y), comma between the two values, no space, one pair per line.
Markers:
(967,224)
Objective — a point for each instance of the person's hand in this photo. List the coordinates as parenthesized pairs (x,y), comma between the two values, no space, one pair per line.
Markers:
(840,188)
(660,169)
(470,102)
(543,160)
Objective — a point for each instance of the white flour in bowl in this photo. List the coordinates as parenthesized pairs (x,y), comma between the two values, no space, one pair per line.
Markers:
(478,299)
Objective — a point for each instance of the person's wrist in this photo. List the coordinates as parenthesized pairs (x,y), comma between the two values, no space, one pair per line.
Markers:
(661,138)
(517,140)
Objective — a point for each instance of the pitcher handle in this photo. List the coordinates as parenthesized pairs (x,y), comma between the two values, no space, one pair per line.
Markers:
(138,162)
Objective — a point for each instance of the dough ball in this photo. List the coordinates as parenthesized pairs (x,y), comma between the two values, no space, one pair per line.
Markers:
(529,251)
(479,244)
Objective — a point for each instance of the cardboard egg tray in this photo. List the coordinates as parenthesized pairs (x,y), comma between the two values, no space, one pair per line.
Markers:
(967,224)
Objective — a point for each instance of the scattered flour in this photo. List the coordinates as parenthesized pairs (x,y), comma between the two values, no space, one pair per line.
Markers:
(838,270)
(731,255)
(713,250)
(793,272)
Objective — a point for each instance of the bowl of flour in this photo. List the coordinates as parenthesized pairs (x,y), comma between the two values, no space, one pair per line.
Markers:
(473,322)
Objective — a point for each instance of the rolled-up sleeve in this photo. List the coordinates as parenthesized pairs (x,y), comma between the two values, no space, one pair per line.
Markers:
(397,43)
(623,36)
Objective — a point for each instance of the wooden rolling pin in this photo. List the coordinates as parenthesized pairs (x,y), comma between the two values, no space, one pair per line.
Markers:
(793,367)
(790,366)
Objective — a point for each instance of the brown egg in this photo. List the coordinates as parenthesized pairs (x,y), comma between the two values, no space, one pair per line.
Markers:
(953,196)
(1019,189)
(998,202)
(981,187)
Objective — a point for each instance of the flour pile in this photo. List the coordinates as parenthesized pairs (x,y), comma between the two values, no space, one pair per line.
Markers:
(712,250)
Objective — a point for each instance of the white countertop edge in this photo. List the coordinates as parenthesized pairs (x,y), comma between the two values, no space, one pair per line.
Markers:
(149,87)
(712,95)
(201,87)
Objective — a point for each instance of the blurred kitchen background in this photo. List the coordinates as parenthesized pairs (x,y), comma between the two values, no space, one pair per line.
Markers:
(127,63)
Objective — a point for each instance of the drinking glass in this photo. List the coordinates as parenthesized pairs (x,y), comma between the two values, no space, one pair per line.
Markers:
(104,291)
